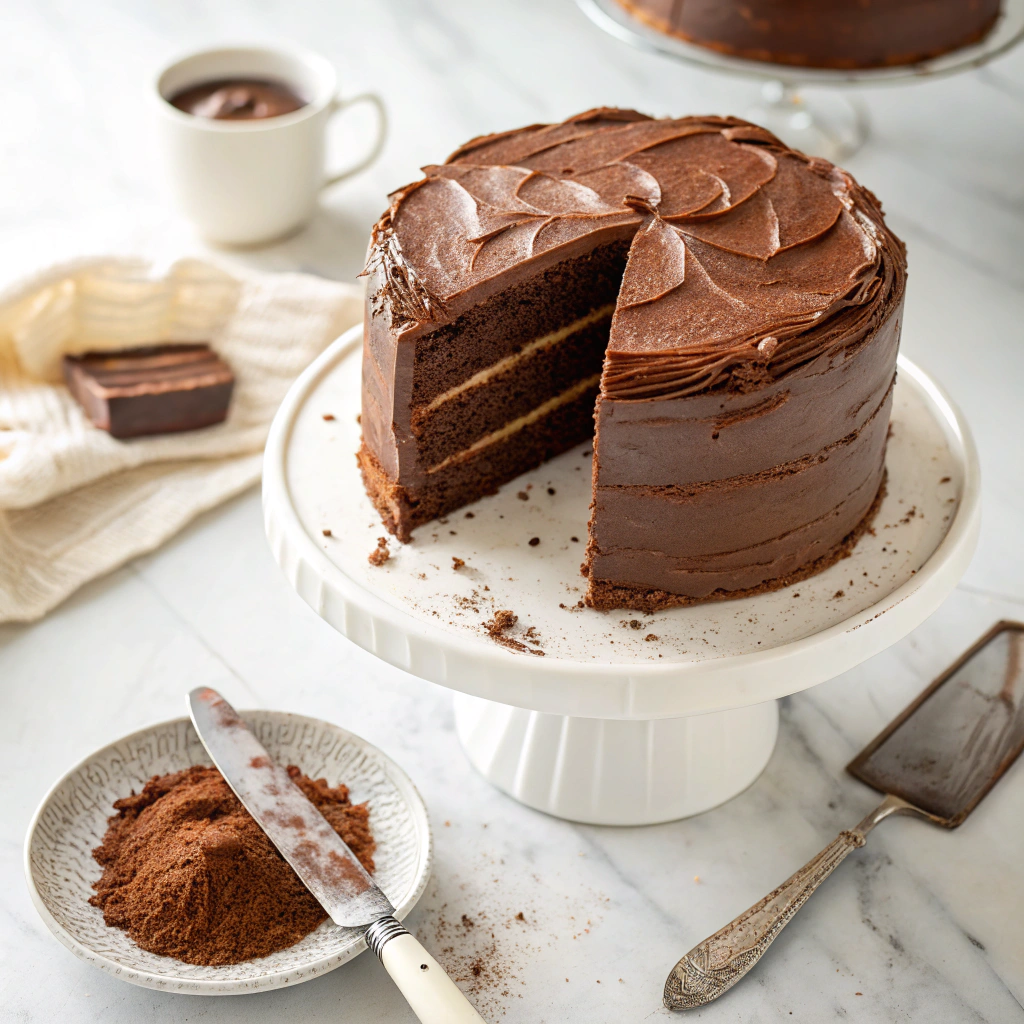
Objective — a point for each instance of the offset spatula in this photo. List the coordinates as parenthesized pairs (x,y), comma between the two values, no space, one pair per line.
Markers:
(320,857)
(935,761)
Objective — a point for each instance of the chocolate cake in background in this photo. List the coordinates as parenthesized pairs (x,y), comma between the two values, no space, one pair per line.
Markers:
(733,307)
(823,33)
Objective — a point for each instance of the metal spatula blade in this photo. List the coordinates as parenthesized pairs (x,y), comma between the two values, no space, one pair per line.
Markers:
(936,761)
(952,745)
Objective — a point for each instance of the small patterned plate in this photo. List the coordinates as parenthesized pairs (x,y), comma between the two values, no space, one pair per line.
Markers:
(72,818)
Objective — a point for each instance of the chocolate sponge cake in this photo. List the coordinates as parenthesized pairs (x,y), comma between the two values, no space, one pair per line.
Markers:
(824,33)
(726,308)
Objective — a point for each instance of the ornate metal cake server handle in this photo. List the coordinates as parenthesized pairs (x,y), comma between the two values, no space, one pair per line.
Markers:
(715,965)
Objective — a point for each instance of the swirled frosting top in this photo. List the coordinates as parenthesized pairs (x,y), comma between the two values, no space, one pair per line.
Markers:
(748,258)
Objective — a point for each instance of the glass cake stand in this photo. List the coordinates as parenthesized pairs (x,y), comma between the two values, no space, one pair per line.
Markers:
(626,719)
(823,121)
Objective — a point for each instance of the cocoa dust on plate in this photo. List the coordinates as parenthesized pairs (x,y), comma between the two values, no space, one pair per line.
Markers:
(188,873)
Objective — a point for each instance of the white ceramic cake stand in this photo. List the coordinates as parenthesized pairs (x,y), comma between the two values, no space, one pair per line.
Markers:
(626,718)
(824,121)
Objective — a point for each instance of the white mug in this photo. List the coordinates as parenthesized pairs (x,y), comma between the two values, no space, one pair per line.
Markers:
(245,182)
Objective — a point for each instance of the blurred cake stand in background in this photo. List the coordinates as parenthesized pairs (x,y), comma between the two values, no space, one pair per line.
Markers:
(624,719)
(803,106)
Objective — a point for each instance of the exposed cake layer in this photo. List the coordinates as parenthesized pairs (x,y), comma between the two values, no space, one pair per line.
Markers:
(823,33)
(529,443)
(543,369)
(453,413)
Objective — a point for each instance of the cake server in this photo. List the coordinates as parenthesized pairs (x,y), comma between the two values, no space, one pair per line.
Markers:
(323,861)
(935,762)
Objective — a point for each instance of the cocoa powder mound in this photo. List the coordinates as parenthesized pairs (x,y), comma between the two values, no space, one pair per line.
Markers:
(188,873)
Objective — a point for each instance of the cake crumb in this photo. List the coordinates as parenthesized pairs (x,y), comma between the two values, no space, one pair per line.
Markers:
(328,416)
(469,515)
(945,480)
(503,621)
(575,540)
(838,594)
(523,496)
(635,624)
(534,541)
(380,553)
(551,490)
(650,636)
(327,533)
(457,563)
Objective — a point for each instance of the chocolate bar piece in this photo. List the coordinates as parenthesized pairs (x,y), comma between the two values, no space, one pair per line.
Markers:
(159,389)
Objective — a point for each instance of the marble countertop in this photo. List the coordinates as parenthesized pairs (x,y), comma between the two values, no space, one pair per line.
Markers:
(920,925)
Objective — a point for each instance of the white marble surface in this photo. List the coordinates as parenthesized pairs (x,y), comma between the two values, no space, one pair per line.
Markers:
(921,925)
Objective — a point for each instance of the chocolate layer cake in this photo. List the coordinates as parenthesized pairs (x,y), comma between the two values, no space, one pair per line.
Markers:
(823,33)
(733,307)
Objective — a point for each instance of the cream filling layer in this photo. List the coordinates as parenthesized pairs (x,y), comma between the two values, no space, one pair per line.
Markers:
(513,426)
(543,342)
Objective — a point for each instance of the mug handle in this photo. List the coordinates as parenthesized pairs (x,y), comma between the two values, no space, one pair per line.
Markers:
(337,106)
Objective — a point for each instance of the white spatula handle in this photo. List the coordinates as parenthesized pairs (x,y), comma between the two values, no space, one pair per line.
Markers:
(433,996)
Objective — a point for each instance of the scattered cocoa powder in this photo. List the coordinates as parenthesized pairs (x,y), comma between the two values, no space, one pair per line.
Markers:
(380,553)
(188,873)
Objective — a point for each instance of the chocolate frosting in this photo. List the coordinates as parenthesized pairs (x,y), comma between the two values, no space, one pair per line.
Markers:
(748,377)
(748,258)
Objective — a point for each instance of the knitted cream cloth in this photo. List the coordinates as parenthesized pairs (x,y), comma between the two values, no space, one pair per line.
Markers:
(76,503)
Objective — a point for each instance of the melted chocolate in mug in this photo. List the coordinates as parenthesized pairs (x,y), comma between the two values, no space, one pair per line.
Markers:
(238,99)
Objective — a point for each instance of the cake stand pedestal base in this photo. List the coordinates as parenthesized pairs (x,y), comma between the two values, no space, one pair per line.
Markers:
(821,122)
(612,771)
